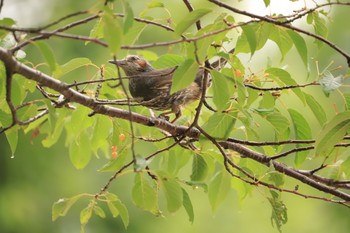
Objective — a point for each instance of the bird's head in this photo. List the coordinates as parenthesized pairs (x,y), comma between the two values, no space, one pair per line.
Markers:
(133,65)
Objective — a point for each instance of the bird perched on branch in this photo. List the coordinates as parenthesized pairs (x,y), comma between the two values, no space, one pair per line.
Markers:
(151,87)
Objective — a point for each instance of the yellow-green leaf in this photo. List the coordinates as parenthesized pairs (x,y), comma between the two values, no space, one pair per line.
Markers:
(61,207)
(219,187)
(144,195)
(332,133)
(190,19)
(184,75)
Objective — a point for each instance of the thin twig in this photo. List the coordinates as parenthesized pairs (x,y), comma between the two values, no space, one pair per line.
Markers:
(281,88)
(282,24)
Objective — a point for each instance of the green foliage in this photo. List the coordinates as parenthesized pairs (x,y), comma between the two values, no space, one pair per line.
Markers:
(144,195)
(221,89)
(113,31)
(219,187)
(332,133)
(184,75)
(190,19)
(302,131)
(279,211)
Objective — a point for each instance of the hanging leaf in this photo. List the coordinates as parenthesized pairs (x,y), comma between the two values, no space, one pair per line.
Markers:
(332,133)
(173,193)
(219,125)
(219,187)
(283,77)
(199,168)
(279,215)
(279,122)
(129,16)
(300,45)
(320,27)
(302,132)
(113,31)
(221,90)
(188,205)
(280,36)
(316,108)
(184,75)
(61,207)
(190,19)
(71,65)
(48,54)
(251,37)
(168,61)
(143,195)
(80,151)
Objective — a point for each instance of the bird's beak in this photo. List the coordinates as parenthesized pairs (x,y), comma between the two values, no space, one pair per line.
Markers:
(118,62)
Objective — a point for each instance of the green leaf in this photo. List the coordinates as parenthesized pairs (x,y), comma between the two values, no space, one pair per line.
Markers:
(115,164)
(221,91)
(332,133)
(176,160)
(276,178)
(320,27)
(267,3)
(167,61)
(57,123)
(279,122)
(6,22)
(251,37)
(329,83)
(346,97)
(199,168)
(102,129)
(220,125)
(116,207)
(184,75)
(71,65)
(61,207)
(310,18)
(113,32)
(190,19)
(188,205)
(143,195)
(316,108)
(12,138)
(302,132)
(279,215)
(86,214)
(219,187)
(129,16)
(80,151)
(300,45)
(262,33)
(99,211)
(96,31)
(282,76)
(173,193)
(155,4)
(134,32)
(48,54)
(280,36)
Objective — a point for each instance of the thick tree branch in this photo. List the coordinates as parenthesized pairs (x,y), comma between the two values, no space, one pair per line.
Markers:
(74,96)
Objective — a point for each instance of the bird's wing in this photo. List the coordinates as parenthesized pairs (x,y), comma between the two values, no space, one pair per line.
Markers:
(160,80)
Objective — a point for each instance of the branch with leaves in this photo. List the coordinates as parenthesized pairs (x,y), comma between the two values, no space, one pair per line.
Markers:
(243,103)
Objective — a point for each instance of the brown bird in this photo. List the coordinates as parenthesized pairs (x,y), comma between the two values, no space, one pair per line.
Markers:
(151,87)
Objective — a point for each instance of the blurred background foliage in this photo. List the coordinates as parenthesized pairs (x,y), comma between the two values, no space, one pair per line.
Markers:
(37,176)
